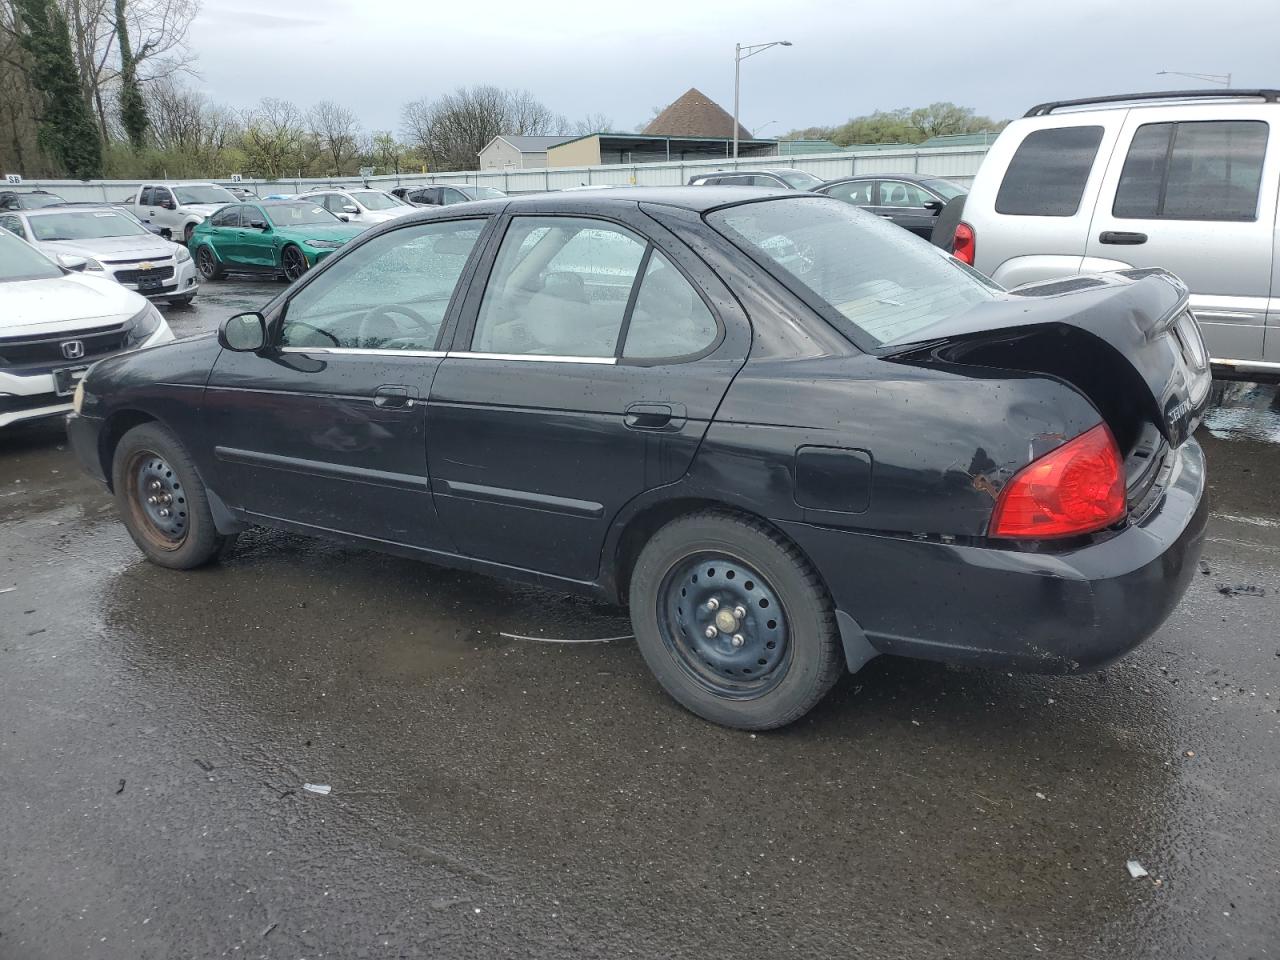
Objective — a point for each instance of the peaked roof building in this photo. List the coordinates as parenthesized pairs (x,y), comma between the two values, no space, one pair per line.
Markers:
(695,114)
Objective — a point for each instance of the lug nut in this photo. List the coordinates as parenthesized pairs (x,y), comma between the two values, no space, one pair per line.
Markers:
(740,612)
(713,604)
(738,640)
(711,633)
(164,512)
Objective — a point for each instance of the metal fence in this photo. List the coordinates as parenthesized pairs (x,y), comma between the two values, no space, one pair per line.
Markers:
(955,163)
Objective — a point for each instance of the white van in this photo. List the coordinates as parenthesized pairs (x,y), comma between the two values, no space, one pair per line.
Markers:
(1187,181)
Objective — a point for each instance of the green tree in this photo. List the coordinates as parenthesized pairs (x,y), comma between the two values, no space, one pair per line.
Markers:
(133,109)
(65,130)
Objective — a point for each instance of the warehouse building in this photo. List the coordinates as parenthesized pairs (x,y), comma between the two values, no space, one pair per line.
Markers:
(516,152)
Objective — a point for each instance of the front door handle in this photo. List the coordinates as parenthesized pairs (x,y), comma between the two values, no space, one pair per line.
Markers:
(654,416)
(1122,237)
(392,397)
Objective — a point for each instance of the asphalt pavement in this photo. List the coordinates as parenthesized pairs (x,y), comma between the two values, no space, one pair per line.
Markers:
(492,796)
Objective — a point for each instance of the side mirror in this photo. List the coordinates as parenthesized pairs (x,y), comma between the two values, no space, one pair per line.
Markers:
(77,264)
(243,333)
(350,208)
(168,205)
(934,206)
(257,224)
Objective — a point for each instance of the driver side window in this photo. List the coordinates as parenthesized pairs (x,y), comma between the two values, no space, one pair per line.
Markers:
(391,293)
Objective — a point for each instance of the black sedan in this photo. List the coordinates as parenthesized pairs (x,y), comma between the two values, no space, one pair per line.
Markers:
(788,435)
(910,201)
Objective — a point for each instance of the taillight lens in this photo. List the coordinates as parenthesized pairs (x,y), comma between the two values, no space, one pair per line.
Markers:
(1075,489)
(964,243)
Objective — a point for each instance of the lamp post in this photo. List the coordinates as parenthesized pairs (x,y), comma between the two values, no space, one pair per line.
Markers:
(1222,78)
(740,53)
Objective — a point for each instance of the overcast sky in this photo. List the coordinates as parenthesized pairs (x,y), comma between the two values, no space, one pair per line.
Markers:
(622,59)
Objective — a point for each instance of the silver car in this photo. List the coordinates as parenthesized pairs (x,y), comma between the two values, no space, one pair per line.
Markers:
(112,243)
(1187,181)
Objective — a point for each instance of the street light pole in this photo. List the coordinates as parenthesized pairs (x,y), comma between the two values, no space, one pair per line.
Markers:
(741,53)
(1222,78)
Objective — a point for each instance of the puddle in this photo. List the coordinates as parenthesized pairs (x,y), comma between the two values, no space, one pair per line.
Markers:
(1245,411)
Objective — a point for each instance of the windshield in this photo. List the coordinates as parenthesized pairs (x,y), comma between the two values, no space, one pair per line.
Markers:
(203,193)
(876,281)
(799,179)
(298,213)
(19,261)
(33,200)
(376,199)
(945,188)
(84,225)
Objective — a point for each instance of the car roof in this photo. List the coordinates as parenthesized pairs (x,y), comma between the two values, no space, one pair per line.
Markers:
(72,207)
(908,177)
(695,199)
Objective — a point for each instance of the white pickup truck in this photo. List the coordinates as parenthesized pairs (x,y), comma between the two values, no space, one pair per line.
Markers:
(178,206)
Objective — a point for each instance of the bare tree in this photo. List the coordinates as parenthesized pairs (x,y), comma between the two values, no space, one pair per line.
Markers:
(274,139)
(451,130)
(592,123)
(336,132)
(196,135)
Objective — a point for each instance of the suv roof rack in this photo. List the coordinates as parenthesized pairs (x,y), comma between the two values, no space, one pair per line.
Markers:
(1044,109)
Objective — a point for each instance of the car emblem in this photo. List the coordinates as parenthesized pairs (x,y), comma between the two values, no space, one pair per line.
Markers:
(72,349)
(146,265)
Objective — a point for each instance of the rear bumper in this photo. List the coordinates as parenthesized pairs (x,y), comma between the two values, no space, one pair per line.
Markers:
(1047,613)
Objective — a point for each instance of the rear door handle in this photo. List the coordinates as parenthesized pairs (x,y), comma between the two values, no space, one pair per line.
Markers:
(392,397)
(1122,237)
(654,416)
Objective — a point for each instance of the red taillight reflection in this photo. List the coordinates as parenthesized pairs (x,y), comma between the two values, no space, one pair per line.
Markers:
(1077,488)
(964,243)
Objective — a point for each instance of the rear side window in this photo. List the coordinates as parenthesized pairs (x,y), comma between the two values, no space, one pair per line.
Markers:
(1047,174)
(227,217)
(1197,170)
(147,197)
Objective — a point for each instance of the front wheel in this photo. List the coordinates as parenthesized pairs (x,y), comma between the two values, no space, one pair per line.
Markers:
(733,621)
(162,500)
(208,264)
(294,262)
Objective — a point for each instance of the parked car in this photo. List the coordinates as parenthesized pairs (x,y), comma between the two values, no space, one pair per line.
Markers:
(783,469)
(781,179)
(277,237)
(1187,181)
(365,207)
(55,322)
(242,193)
(442,195)
(27,199)
(180,207)
(912,202)
(112,244)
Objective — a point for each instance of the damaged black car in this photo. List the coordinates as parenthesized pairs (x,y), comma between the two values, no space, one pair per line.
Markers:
(788,435)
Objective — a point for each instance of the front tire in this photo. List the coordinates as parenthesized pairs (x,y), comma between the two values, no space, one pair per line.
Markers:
(734,622)
(162,500)
(208,265)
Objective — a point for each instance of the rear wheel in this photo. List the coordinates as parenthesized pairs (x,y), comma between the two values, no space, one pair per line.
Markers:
(208,264)
(294,263)
(162,499)
(733,621)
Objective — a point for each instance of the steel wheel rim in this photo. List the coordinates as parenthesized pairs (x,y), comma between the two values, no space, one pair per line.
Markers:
(205,261)
(750,650)
(295,265)
(157,500)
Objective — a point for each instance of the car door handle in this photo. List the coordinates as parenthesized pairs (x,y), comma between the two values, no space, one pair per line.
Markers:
(392,397)
(654,416)
(1122,237)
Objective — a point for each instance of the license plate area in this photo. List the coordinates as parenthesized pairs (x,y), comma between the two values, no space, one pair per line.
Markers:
(66,378)
(149,283)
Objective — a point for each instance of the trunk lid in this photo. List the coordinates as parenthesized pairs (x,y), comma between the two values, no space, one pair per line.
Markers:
(1126,340)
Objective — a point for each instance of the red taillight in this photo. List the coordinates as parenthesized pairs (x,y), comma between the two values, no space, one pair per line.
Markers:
(964,243)
(1077,488)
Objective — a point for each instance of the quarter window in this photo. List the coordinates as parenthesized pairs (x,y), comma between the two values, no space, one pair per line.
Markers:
(894,193)
(559,287)
(1196,170)
(669,318)
(391,293)
(147,197)
(1048,172)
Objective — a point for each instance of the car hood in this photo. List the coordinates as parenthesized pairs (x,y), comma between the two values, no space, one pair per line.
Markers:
(340,232)
(382,216)
(69,302)
(107,249)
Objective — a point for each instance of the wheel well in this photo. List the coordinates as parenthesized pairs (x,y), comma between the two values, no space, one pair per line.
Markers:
(116,427)
(647,522)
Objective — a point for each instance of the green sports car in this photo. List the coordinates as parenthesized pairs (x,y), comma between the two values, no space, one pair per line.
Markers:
(275,236)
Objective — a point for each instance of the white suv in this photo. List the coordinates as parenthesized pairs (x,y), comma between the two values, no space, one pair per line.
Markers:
(1187,181)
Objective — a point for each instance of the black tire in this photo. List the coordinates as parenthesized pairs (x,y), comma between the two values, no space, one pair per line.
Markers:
(749,687)
(150,462)
(293,262)
(207,263)
(186,234)
(182,302)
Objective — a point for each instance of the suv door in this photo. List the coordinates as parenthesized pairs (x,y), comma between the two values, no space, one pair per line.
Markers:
(904,204)
(1193,189)
(165,216)
(328,428)
(585,371)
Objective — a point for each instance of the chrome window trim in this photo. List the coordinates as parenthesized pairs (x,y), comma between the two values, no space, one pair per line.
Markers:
(536,358)
(362,351)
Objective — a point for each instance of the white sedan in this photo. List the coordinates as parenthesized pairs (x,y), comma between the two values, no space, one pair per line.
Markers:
(364,207)
(55,322)
(113,244)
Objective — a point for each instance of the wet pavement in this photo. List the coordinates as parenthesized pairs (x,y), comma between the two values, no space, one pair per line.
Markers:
(499,797)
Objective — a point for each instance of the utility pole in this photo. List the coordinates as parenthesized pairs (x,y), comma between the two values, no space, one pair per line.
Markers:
(741,53)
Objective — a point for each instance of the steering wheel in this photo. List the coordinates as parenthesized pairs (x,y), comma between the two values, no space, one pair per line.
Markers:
(385,311)
(314,329)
